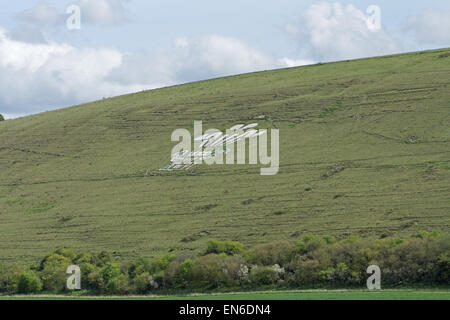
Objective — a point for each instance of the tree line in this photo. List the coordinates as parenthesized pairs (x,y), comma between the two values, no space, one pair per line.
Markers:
(311,262)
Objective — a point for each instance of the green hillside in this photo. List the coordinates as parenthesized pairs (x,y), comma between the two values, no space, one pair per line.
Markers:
(364,149)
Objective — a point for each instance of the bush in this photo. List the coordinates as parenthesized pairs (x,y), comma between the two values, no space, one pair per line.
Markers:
(228,247)
(2,118)
(139,266)
(235,270)
(94,281)
(161,263)
(340,275)
(350,257)
(110,271)
(306,273)
(418,260)
(144,283)
(29,282)
(68,253)
(185,269)
(53,272)
(90,277)
(278,252)
(443,266)
(207,272)
(118,285)
(260,276)
(113,280)
(314,261)
(311,243)
(8,278)
(102,258)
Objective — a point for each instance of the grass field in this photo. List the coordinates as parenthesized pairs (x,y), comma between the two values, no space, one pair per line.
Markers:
(364,149)
(273,295)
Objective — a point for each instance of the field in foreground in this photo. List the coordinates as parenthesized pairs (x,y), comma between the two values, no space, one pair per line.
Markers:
(274,295)
(364,149)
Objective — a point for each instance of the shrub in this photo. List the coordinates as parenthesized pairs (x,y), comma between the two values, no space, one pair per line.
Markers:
(68,253)
(415,261)
(90,277)
(113,280)
(84,258)
(178,274)
(2,118)
(53,272)
(265,275)
(185,269)
(141,265)
(138,266)
(110,271)
(94,281)
(207,272)
(235,270)
(278,252)
(228,247)
(29,282)
(144,283)
(314,261)
(307,273)
(118,285)
(161,263)
(102,258)
(311,243)
(8,278)
(353,256)
(340,275)
(172,277)
(443,268)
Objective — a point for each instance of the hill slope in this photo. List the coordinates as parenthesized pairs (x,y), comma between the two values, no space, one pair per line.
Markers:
(364,149)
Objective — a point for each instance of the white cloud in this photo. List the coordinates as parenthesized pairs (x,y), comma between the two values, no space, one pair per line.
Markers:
(36,77)
(291,29)
(287,62)
(103,12)
(26,33)
(215,55)
(430,27)
(42,14)
(332,31)
(97,12)
(8,116)
(18,55)
(192,59)
(197,58)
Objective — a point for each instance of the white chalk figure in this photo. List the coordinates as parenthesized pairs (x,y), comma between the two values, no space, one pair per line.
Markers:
(209,147)
(74,281)
(374,281)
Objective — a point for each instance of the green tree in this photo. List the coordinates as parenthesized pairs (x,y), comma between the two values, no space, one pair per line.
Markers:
(114,281)
(277,252)
(29,282)
(260,276)
(118,285)
(143,283)
(228,247)
(307,273)
(207,272)
(53,273)
(68,253)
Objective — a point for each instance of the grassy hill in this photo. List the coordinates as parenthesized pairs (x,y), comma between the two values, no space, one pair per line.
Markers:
(364,149)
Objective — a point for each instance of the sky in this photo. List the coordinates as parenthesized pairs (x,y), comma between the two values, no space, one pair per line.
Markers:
(52,58)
